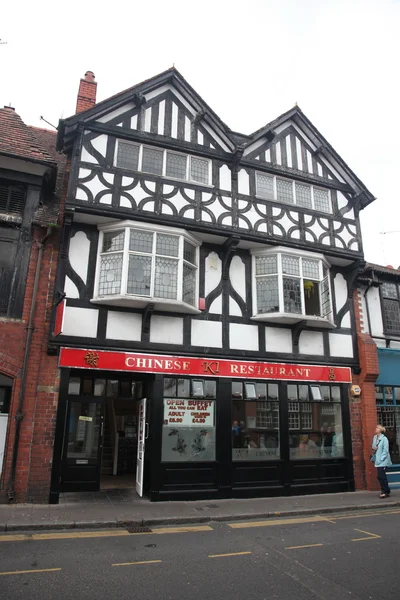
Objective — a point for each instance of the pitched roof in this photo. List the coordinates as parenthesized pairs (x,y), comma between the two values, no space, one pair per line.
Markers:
(19,140)
(381,269)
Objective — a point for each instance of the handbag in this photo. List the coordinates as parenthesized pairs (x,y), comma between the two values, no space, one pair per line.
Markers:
(372,457)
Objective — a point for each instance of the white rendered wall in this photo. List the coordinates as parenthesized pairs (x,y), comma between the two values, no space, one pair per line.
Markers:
(341,345)
(375,311)
(166,330)
(311,342)
(278,340)
(124,326)
(3,433)
(207,334)
(340,286)
(80,322)
(243,337)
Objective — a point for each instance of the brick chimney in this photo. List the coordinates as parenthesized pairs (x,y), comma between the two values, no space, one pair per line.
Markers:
(87,92)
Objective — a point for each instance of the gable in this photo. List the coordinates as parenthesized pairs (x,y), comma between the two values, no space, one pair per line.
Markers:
(292,149)
(167,112)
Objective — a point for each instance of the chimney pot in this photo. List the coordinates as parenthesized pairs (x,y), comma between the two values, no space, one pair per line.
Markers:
(87,93)
(89,76)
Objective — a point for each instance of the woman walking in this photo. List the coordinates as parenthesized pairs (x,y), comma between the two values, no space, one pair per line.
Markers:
(381,457)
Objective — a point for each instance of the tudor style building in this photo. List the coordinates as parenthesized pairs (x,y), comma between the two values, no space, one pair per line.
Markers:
(210,273)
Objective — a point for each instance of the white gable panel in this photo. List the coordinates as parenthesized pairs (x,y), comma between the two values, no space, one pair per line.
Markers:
(116,113)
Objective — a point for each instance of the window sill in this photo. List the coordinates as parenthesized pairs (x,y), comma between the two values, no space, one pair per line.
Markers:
(291,319)
(160,304)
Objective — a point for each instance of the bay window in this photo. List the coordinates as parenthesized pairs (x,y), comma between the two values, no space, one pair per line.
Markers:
(291,286)
(138,264)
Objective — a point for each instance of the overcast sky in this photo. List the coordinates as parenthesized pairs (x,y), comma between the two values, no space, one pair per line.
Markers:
(250,60)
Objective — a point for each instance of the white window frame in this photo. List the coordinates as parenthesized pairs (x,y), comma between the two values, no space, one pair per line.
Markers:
(137,300)
(293,182)
(281,316)
(164,164)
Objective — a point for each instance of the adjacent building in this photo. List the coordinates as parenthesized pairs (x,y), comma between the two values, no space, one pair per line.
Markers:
(378,309)
(207,336)
(31,173)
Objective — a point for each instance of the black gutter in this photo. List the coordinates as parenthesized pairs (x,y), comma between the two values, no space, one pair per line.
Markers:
(30,328)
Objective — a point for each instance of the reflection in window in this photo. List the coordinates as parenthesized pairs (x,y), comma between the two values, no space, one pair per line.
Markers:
(255,424)
(315,426)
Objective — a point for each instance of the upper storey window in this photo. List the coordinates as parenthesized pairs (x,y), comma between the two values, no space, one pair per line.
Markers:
(291,287)
(271,187)
(138,265)
(391,307)
(137,157)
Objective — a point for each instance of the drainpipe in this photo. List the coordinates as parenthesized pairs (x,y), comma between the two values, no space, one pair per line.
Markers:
(19,415)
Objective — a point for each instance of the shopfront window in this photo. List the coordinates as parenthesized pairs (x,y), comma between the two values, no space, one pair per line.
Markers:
(315,421)
(388,415)
(255,421)
(189,420)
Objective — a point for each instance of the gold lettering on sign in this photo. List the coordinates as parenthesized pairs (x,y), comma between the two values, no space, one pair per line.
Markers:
(91,358)
(211,366)
(332,374)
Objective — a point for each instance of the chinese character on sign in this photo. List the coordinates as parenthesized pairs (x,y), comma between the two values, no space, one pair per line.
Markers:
(91,358)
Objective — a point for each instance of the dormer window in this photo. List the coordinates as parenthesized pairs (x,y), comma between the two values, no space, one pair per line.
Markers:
(138,265)
(289,287)
(157,161)
(270,187)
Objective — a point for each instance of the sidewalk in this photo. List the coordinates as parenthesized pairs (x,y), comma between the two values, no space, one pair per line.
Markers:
(117,510)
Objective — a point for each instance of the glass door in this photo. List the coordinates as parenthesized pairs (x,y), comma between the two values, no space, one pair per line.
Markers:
(83,444)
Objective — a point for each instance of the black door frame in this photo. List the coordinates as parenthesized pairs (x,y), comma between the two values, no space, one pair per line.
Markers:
(92,465)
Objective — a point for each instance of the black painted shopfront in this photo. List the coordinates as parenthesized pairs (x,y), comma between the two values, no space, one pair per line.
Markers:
(201,437)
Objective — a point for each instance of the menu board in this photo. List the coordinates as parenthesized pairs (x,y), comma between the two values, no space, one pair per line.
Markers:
(188,413)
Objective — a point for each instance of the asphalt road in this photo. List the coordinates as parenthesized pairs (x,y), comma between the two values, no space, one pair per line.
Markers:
(326,558)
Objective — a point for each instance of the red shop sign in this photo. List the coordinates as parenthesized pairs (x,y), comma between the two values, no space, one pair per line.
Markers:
(200,367)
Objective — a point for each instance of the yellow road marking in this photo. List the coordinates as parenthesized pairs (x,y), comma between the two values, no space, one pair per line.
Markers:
(307,546)
(139,562)
(372,536)
(229,554)
(30,571)
(21,537)
(161,530)
(274,522)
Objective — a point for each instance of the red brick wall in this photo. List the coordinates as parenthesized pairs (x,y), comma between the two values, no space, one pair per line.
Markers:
(363,409)
(87,93)
(40,398)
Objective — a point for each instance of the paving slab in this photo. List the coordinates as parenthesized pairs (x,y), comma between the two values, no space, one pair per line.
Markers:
(95,510)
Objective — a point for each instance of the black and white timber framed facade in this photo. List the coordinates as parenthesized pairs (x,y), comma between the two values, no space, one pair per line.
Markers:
(184,238)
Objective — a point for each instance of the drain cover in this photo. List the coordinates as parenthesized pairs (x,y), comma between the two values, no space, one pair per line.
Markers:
(138,529)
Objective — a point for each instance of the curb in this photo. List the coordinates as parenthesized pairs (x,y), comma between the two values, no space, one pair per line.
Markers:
(54,526)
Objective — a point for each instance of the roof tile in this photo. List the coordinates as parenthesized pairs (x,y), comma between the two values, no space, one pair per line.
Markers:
(19,140)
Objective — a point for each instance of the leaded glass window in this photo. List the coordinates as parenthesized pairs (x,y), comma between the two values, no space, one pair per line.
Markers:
(322,201)
(265,186)
(199,168)
(390,307)
(285,190)
(152,161)
(151,264)
(128,156)
(288,283)
(303,195)
(176,165)
(158,161)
